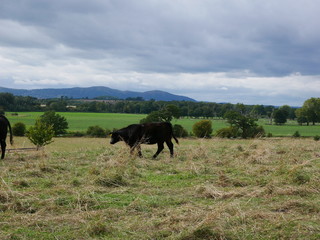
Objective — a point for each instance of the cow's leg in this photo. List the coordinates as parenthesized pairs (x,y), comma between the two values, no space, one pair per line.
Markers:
(170,146)
(160,148)
(132,147)
(3,148)
(138,146)
(139,150)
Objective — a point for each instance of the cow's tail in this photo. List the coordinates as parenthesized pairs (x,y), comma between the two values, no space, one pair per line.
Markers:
(9,125)
(11,136)
(172,134)
(175,139)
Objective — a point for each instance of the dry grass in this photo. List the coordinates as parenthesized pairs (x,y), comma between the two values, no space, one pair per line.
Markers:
(82,188)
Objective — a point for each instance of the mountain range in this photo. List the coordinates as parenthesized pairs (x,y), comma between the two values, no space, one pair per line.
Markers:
(94,92)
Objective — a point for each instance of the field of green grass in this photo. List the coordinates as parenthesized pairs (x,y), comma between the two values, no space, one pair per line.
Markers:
(81,121)
(85,188)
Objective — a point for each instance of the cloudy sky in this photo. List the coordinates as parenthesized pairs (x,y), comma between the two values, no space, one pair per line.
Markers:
(238,51)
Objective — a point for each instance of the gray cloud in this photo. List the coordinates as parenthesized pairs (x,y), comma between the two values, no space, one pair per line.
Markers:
(79,43)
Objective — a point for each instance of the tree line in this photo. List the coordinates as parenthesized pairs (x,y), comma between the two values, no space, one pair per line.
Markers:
(309,113)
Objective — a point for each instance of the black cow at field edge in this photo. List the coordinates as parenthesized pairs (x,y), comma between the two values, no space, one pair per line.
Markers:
(148,133)
(4,124)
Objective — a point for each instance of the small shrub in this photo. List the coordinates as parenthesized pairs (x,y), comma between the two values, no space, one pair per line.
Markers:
(107,131)
(296,134)
(179,131)
(96,131)
(19,129)
(202,129)
(40,134)
(228,132)
(316,138)
(269,135)
(76,134)
(258,131)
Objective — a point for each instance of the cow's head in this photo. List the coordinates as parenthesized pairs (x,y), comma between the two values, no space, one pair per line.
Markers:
(115,137)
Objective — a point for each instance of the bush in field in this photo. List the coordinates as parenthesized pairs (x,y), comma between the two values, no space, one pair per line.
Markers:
(245,126)
(257,131)
(59,123)
(19,129)
(228,132)
(202,129)
(179,131)
(296,134)
(96,131)
(40,134)
(316,138)
(76,134)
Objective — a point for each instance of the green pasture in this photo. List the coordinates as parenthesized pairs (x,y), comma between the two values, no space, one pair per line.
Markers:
(81,121)
(289,129)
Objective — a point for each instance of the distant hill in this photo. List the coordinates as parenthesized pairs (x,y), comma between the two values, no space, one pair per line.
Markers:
(94,92)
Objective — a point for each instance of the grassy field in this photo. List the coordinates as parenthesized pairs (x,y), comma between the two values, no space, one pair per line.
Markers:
(80,188)
(81,122)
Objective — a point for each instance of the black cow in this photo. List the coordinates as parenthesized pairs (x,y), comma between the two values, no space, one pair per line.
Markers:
(4,124)
(148,133)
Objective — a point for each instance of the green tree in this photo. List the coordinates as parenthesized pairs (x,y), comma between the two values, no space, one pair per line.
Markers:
(258,111)
(6,100)
(40,134)
(152,117)
(301,116)
(286,109)
(19,129)
(165,115)
(280,116)
(241,108)
(310,111)
(269,112)
(59,123)
(243,126)
(171,111)
(202,129)
(60,106)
